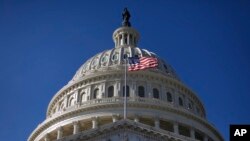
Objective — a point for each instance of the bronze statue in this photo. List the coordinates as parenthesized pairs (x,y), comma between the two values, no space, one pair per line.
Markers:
(125,17)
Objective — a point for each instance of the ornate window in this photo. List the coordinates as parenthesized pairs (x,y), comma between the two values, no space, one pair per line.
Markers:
(96,92)
(169,97)
(71,101)
(125,39)
(166,125)
(137,55)
(183,130)
(115,57)
(127,91)
(83,97)
(130,38)
(156,93)
(105,58)
(126,55)
(199,136)
(180,101)
(95,62)
(111,91)
(62,106)
(141,91)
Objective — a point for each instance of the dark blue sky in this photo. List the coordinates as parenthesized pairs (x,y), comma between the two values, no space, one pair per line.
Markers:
(43,43)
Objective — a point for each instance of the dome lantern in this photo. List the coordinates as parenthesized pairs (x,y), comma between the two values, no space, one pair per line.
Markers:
(126,35)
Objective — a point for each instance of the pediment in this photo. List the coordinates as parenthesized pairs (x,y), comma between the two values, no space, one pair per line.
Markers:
(124,130)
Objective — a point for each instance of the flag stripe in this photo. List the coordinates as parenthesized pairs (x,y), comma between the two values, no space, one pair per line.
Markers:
(142,63)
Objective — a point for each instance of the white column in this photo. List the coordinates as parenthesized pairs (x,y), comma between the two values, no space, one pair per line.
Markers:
(102,94)
(149,90)
(89,92)
(116,42)
(59,133)
(119,89)
(46,138)
(67,101)
(176,98)
(123,39)
(192,133)
(157,123)
(176,128)
(94,122)
(133,89)
(57,107)
(76,127)
(78,97)
(128,38)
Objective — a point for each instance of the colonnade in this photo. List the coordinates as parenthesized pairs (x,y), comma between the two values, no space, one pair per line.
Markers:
(96,120)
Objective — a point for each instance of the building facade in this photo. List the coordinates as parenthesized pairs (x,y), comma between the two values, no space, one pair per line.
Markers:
(91,106)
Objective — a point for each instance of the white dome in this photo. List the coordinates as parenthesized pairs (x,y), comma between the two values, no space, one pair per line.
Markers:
(112,60)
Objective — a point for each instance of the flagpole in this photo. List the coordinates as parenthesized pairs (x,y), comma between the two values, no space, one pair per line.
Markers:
(125,89)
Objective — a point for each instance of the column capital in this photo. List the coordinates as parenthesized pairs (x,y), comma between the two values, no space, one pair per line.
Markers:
(59,128)
(59,132)
(95,118)
(75,122)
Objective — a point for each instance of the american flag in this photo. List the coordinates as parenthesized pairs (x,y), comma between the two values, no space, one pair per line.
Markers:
(136,63)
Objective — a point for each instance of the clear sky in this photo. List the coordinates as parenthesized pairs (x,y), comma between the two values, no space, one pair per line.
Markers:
(43,43)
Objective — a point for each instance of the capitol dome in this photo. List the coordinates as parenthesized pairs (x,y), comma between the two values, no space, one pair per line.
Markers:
(112,60)
(158,106)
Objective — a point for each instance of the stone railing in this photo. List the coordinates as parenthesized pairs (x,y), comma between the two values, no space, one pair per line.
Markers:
(115,100)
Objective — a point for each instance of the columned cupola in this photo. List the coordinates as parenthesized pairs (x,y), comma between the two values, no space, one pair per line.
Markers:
(126,35)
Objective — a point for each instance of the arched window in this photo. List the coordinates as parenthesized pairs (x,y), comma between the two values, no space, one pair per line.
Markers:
(96,92)
(155,93)
(83,97)
(180,101)
(71,101)
(111,91)
(127,91)
(126,39)
(141,92)
(62,106)
(130,38)
(169,97)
